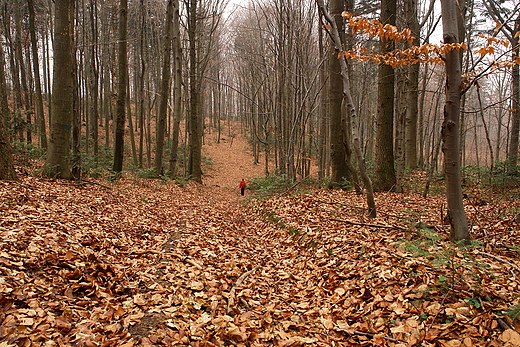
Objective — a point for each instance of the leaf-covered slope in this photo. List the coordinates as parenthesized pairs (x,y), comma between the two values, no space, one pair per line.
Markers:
(149,263)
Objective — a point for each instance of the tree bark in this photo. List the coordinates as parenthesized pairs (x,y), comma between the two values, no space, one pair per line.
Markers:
(7,171)
(450,126)
(40,117)
(412,92)
(348,108)
(121,88)
(58,162)
(165,90)
(338,155)
(177,88)
(384,170)
(512,152)
(195,117)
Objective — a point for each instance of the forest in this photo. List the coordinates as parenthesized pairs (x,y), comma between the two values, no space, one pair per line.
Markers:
(378,140)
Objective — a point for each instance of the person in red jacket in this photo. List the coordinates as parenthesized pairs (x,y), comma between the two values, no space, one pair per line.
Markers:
(242,187)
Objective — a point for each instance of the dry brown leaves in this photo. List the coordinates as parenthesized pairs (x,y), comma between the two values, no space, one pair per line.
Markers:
(146,262)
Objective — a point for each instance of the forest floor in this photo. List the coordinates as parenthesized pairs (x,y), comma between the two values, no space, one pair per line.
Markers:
(142,262)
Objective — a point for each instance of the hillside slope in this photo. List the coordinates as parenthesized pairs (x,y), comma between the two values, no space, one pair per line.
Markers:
(146,262)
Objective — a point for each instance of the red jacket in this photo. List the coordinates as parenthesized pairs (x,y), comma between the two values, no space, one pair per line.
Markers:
(242,184)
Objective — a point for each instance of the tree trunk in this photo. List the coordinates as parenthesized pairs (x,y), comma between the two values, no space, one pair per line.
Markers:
(177,88)
(338,155)
(165,90)
(94,115)
(121,89)
(58,162)
(384,170)
(40,117)
(195,121)
(6,158)
(450,126)
(348,106)
(412,92)
(23,74)
(76,116)
(512,153)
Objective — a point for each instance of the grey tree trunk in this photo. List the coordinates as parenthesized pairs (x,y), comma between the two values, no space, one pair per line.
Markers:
(512,152)
(195,118)
(177,88)
(40,117)
(450,126)
(94,115)
(338,155)
(6,158)
(23,73)
(122,63)
(58,162)
(348,108)
(384,170)
(412,92)
(165,90)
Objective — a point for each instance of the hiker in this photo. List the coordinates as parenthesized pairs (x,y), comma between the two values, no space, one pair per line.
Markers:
(242,187)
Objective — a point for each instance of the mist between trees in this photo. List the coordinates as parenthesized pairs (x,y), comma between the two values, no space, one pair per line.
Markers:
(149,80)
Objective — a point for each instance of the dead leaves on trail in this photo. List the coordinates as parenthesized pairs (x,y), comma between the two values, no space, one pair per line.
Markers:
(149,263)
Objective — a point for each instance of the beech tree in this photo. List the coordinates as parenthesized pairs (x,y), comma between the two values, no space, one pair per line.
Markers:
(195,121)
(40,116)
(450,126)
(177,88)
(348,109)
(122,62)
(165,89)
(384,170)
(340,150)
(510,28)
(6,158)
(58,162)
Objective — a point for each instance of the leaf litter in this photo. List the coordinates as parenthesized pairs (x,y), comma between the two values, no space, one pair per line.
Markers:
(149,263)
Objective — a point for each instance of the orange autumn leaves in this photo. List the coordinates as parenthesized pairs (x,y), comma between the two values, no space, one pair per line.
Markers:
(425,53)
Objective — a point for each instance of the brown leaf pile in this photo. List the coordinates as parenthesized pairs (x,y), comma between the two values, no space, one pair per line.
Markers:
(146,262)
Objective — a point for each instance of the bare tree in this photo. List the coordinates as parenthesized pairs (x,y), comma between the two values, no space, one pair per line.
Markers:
(58,162)
(165,89)
(40,117)
(450,126)
(122,62)
(384,170)
(177,87)
(6,158)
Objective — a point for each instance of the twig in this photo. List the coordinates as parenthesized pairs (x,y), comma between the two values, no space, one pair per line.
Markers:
(416,261)
(368,224)
(503,324)
(231,297)
(357,332)
(290,188)
(501,260)
(98,184)
(194,263)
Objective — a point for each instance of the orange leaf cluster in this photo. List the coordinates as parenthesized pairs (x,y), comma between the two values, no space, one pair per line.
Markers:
(416,54)
(374,28)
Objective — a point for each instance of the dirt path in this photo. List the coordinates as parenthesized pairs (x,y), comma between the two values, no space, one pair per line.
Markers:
(232,161)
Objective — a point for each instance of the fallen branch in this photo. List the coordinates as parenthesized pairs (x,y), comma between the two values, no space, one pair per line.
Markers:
(98,184)
(231,297)
(501,260)
(368,224)
(357,332)
(290,188)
